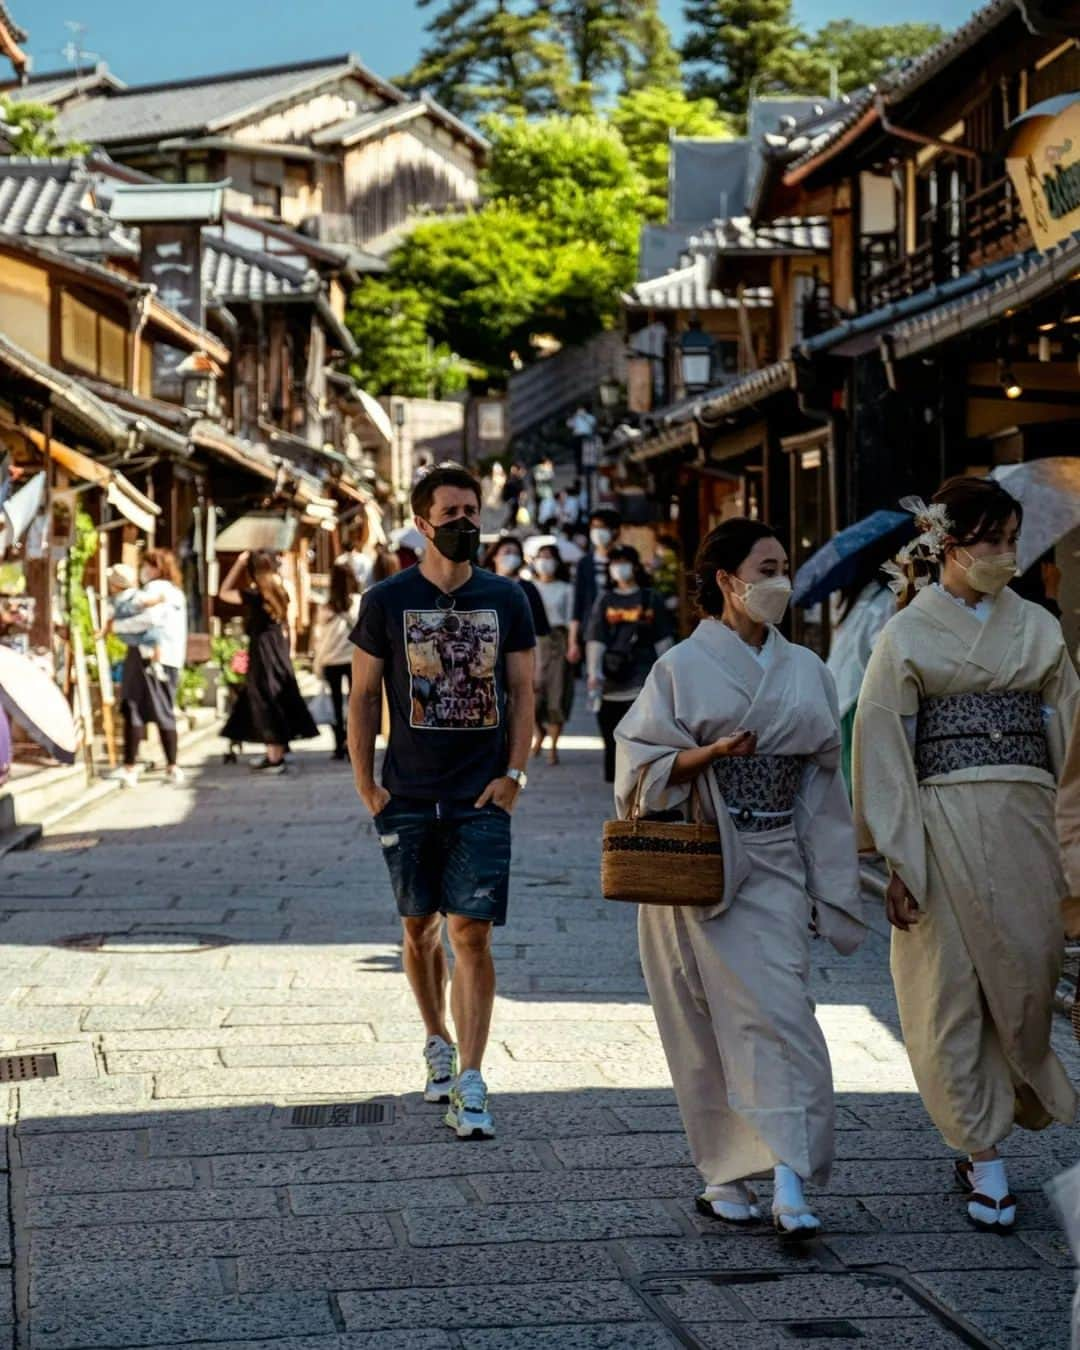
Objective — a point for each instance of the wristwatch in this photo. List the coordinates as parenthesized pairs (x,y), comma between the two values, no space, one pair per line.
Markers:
(519,776)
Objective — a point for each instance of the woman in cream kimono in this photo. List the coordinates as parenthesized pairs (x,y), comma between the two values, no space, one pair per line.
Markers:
(959,737)
(752,721)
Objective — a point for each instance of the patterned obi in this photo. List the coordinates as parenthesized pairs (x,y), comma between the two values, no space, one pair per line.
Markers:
(759,790)
(969,731)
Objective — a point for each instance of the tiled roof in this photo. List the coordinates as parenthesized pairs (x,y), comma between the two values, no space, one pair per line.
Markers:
(687,287)
(353,130)
(56,86)
(730,397)
(854,336)
(707,177)
(740,235)
(151,112)
(233,275)
(901,83)
(1032,276)
(50,198)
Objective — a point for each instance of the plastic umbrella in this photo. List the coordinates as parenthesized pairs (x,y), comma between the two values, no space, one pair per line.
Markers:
(1049,492)
(5,748)
(837,564)
(30,698)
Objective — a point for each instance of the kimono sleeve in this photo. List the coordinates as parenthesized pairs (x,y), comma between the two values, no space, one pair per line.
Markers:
(888,813)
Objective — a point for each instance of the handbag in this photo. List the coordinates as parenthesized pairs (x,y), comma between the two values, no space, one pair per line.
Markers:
(646,861)
(321,708)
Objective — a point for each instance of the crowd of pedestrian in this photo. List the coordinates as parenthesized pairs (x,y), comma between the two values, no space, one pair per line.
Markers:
(959,712)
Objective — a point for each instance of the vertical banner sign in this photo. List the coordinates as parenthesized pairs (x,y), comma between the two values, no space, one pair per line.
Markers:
(172,261)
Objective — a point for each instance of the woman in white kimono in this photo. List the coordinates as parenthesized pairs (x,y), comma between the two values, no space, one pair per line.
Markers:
(750,720)
(959,737)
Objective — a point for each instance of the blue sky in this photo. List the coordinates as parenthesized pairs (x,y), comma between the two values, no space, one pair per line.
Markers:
(145,40)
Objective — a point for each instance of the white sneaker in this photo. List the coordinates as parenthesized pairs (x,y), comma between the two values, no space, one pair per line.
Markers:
(174,774)
(127,778)
(468,1116)
(441,1059)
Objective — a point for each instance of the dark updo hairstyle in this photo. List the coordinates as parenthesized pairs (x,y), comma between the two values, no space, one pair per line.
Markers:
(725,549)
(975,508)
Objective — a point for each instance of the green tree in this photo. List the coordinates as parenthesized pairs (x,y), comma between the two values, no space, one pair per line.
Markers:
(535,163)
(738,48)
(646,119)
(390,324)
(492,55)
(29,129)
(621,41)
(858,54)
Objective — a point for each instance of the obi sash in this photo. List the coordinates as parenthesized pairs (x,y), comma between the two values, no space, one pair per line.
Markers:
(759,790)
(968,731)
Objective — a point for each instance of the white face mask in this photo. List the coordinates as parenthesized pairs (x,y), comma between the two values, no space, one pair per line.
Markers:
(506,564)
(765,601)
(989,575)
(546,567)
(622,571)
(600,537)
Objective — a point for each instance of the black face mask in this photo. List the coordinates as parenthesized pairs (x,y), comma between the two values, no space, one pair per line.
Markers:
(459,541)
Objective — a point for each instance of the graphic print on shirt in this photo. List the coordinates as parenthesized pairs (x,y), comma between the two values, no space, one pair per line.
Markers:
(452,657)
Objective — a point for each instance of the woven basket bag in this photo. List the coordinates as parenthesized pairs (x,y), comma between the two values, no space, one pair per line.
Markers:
(659,862)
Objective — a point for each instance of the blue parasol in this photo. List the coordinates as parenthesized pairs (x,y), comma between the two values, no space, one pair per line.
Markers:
(837,563)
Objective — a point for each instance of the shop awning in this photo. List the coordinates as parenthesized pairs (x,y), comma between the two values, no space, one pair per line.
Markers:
(120,492)
(255,458)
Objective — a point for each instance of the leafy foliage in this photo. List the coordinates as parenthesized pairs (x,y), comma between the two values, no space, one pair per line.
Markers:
(28,127)
(390,323)
(646,119)
(739,48)
(859,54)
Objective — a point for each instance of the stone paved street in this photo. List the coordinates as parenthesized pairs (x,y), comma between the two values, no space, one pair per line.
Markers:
(240,958)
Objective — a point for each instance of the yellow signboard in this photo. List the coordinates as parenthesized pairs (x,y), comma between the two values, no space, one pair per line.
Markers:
(1044,165)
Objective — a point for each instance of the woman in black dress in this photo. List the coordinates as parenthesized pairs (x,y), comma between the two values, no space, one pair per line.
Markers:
(270,708)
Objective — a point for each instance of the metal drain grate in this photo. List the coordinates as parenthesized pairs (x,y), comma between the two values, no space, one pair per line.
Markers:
(18,1068)
(341,1113)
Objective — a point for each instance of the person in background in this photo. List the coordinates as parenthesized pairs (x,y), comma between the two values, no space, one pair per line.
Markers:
(961,734)
(146,696)
(132,618)
(543,476)
(627,631)
(582,427)
(270,708)
(555,683)
(591,577)
(513,494)
(1041,584)
(360,555)
(332,658)
(568,515)
(505,559)
(863,610)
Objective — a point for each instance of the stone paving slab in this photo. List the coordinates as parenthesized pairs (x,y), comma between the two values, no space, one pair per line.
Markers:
(208,1214)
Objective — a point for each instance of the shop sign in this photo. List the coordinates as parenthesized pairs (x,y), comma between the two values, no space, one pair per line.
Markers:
(1044,165)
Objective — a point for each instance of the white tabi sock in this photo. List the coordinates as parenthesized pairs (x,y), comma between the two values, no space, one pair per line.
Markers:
(990,1179)
(733,1200)
(789,1204)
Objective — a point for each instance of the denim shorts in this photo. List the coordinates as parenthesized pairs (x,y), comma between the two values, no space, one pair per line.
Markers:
(447,857)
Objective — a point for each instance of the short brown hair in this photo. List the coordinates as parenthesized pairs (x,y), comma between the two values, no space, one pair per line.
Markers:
(445,475)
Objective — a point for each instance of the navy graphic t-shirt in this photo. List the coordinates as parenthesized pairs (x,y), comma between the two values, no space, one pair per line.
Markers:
(445,678)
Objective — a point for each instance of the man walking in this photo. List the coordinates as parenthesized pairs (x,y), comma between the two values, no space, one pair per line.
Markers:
(453,645)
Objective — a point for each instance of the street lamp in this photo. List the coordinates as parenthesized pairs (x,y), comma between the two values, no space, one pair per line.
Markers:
(696,356)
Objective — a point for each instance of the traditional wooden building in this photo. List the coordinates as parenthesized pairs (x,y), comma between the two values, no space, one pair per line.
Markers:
(325,146)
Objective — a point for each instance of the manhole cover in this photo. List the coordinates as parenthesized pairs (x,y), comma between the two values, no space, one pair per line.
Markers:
(18,1068)
(340,1113)
(146,942)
